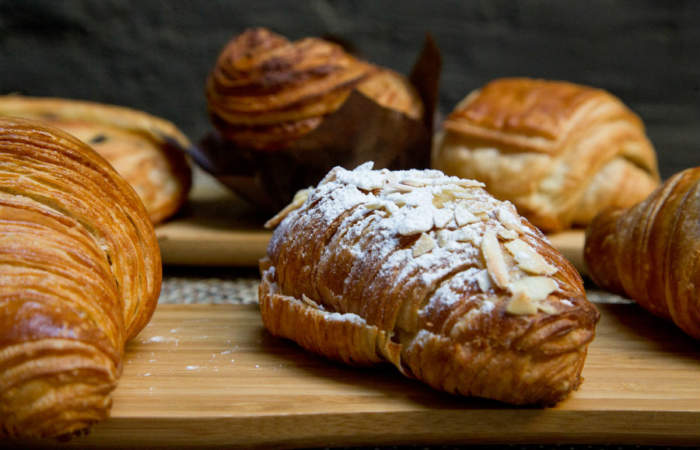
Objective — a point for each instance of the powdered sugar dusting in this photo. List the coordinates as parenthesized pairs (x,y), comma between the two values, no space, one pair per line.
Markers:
(421,232)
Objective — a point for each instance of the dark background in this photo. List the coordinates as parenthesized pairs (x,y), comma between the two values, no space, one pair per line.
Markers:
(155,55)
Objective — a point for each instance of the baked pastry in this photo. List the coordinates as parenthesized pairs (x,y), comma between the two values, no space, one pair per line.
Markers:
(650,252)
(80,273)
(147,151)
(560,152)
(266,92)
(433,275)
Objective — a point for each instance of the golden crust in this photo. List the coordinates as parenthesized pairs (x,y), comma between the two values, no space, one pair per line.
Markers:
(265,91)
(650,252)
(80,275)
(356,273)
(560,152)
(146,150)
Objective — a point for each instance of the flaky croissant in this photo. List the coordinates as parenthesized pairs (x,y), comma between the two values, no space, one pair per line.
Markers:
(651,252)
(560,152)
(145,150)
(80,274)
(433,275)
(265,91)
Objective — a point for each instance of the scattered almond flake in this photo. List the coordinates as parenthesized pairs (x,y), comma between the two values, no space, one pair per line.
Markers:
(423,245)
(483,280)
(416,182)
(467,235)
(469,183)
(414,221)
(495,262)
(147,374)
(521,304)
(509,219)
(463,216)
(528,259)
(443,238)
(546,307)
(192,367)
(442,217)
(399,188)
(535,289)
(507,234)
(298,200)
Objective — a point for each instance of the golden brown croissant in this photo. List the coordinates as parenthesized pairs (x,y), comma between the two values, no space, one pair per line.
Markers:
(266,91)
(80,274)
(147,151)
(432,274)
(560,152)
(651,252)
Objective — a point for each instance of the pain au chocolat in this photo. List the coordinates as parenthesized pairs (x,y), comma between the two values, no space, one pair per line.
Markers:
(149,152)
(433,275)
(560,152)
(266,92)
(80,273)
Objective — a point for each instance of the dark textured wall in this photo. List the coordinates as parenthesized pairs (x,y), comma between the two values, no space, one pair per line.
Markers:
(154,55)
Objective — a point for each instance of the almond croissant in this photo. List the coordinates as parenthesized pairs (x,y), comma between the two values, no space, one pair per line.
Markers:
(560,152)
(433,275)
(651,252)
(265,91)
(80,274)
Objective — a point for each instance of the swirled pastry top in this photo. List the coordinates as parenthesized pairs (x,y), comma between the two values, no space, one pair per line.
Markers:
(560,151)
(147,151)
(436,262)
(265,91)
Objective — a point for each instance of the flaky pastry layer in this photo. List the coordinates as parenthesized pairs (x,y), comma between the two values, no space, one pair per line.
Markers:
(80,273)
(650,252)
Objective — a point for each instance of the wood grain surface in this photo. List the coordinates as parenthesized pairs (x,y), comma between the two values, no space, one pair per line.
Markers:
(210,375)
(217,228)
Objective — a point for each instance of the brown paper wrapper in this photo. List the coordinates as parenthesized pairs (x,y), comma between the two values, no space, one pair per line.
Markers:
(360,130)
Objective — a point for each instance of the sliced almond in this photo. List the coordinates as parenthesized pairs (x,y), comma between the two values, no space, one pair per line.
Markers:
(528,259)
(536,288)
(466,235)
(442,217)
(444,237)
(507,234)
(495,262)
(520,304)
(463,216)
(483,280)
(298,200)
(509,218)
(423,245)
(465,182)
(416,182)
(415,220)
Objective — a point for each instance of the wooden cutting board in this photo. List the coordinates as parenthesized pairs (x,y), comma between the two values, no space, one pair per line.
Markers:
(203,375)
(217,228)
